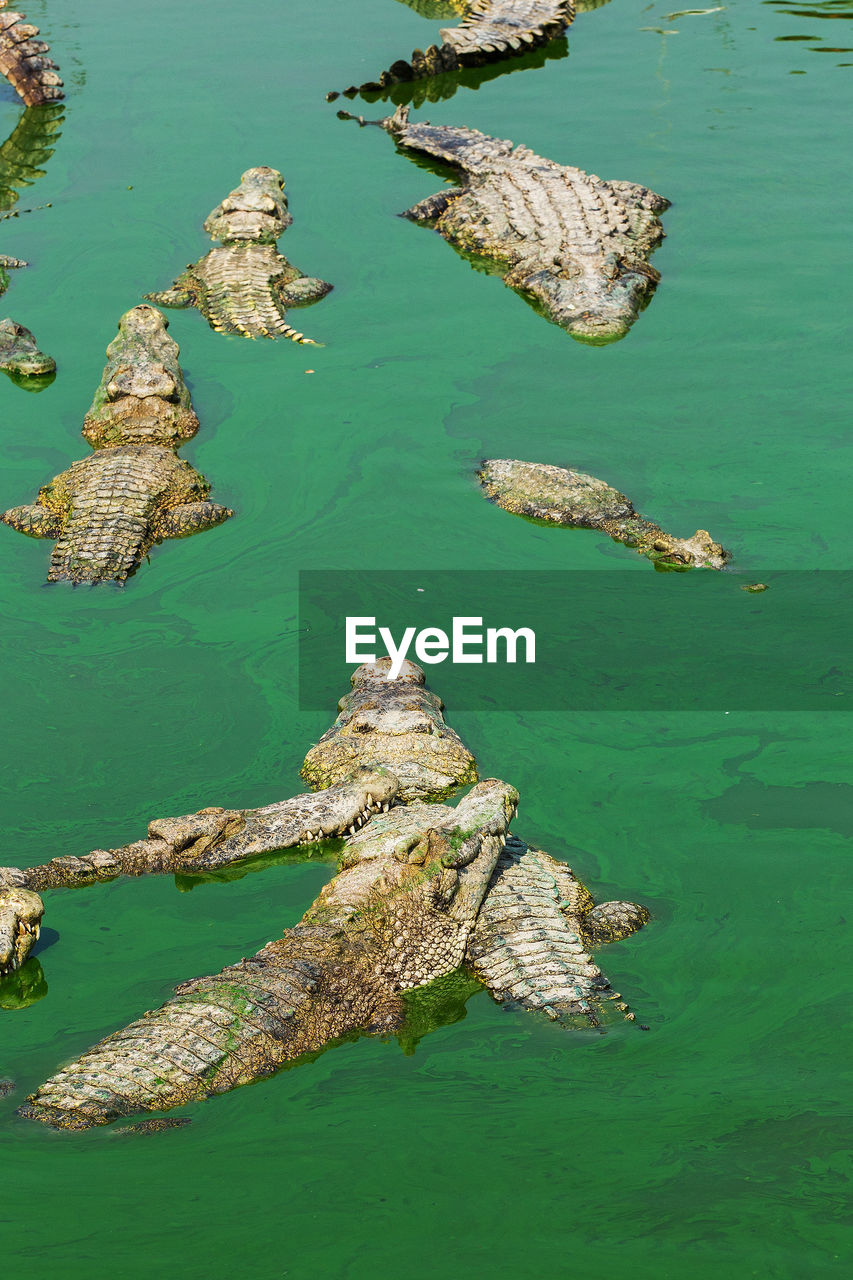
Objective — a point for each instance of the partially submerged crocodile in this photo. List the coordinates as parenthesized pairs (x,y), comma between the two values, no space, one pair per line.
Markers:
(573,498)
(245,285)
(22,59)
(575,245)
(107,511)
(490,31)
(397,724)
(421,889)
(20,354)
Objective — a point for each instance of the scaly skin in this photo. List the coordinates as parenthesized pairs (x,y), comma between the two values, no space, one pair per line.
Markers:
(107,511)
(28,147)
(33,76)
(533,931)
(420,888)
(19,353)
(20,923)
(396,724)
(215,838)
(490,31)
(245,286)
(397,916)
(574,244)
(572,498)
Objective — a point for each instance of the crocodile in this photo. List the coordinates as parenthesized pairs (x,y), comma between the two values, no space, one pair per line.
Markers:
(214,838)
(398,914)
(21,912)
(574,499)
(245,285)
(573,244)
(20,356)
(106,511)
(490,31)
(398,725)
(33,76)
(29,146)
(423,890)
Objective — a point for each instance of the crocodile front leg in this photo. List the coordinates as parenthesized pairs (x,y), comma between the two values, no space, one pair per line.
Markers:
(34,520)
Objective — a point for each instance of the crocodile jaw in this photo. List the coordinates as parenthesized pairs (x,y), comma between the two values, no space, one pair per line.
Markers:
(20,923)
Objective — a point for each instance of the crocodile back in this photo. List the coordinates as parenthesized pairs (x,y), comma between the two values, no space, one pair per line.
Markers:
(115,498)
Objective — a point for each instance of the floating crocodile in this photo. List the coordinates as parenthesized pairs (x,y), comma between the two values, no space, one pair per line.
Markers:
(29,146)
(20,355)
(421,889)
(490,31)
(399,725)
(572,498)
(107,511)
(245,286)
(575,245)
(22,60)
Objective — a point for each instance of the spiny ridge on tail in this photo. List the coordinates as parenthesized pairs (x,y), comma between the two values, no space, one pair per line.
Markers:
(32,75)
(524,948)
(491,31)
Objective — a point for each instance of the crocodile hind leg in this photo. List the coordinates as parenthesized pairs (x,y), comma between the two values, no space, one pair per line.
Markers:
(181,294)
(301,291)
(612,921)
(34,520)
(190,517)
(430,209)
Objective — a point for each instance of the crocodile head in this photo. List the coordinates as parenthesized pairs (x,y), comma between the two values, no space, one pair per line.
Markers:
(595,306)
(698,552)
(397,724)
(19,353)
(20,923)
(256,211)
(142,398)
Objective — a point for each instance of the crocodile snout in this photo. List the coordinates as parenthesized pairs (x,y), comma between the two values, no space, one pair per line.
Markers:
(142,379)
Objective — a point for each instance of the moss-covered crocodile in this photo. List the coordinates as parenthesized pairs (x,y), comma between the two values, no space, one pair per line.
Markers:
(107,511)
(422,888)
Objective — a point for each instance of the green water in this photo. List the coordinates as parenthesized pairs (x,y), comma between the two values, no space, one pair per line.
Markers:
(713,1145)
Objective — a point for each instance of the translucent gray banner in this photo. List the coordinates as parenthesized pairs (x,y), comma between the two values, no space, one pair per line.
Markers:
(623,640)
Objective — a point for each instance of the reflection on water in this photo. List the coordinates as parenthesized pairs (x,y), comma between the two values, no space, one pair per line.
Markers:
(437,88)
(27,149)
(826,9)
(437,1005)
(23,987)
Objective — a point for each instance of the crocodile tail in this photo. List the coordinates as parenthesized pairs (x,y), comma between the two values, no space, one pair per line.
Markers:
(491,31)
(296,336)
(33,76)
(215,1034)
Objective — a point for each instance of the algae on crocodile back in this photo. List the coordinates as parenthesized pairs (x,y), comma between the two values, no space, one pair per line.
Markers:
(558,495)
